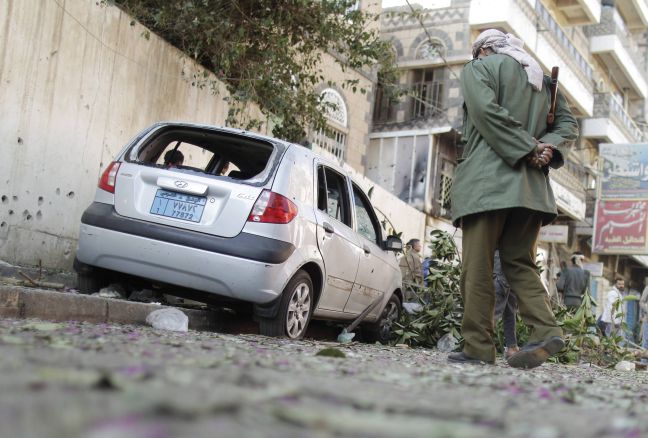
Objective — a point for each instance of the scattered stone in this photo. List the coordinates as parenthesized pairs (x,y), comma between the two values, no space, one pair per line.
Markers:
(447,343)
(145,296)
(114,290)
(331,352)
(168,319)
(624,365)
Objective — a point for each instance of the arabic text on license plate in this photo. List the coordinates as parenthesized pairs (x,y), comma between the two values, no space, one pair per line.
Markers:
(178,205)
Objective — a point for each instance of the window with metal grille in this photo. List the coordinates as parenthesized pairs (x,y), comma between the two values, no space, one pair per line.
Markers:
(332,141)
(445,185)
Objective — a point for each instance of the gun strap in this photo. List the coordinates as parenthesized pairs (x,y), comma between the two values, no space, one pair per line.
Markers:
(554,94)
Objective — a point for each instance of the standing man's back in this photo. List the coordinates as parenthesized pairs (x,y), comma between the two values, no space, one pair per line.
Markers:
(501,194)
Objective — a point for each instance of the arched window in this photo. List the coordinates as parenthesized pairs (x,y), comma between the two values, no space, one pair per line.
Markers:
(430,49)
(338,111)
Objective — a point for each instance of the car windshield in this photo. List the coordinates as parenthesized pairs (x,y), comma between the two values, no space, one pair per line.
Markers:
(206,151)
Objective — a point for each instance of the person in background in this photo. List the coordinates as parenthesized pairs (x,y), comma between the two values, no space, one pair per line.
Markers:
(505,308)
(412,269)
(173,158)
(612,316)
(643,306)
(573,282)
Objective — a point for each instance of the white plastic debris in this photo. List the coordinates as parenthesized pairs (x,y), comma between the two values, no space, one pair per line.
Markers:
(112,291)
(412,307)
(447,343)
(624,365)
(169,318)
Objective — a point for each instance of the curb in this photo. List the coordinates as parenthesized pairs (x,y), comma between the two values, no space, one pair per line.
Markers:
(23,302)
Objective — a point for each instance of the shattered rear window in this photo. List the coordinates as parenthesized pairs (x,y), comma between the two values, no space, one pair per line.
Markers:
(210,152)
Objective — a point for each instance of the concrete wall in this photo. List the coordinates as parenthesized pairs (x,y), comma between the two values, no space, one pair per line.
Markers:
(75,85)
(77,81)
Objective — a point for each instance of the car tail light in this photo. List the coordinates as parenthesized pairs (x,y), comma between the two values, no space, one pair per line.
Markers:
(108,178)
(273,208)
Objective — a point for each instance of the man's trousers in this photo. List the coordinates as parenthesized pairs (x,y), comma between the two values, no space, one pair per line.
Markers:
(514,232)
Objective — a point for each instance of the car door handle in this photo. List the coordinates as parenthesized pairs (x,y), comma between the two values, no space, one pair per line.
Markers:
(328,228)
(366,249)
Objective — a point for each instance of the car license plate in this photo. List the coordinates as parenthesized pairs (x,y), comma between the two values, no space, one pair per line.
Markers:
(178,205)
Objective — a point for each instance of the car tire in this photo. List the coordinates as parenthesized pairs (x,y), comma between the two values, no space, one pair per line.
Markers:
(381,330)
(295,309)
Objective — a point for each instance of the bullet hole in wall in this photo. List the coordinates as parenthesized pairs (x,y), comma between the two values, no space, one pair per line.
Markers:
(39,215)
(70,195)
(5,199)
(14,197)
(20,140)
(3,224)
(58,191)
(40,200)
(27,215)
(11,212)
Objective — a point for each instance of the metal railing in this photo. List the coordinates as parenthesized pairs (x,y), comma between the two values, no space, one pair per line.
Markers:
(563,39)
(333,143)
(607,105)
(422,100)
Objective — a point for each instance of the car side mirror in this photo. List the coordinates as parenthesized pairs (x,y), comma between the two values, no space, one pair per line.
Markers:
(393,243)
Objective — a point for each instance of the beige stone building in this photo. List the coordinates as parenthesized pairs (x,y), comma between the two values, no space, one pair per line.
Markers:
(600,47)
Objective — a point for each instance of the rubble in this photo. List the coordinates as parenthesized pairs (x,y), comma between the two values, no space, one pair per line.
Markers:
(168,319)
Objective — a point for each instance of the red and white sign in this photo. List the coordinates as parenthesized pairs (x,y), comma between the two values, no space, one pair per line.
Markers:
(620,227)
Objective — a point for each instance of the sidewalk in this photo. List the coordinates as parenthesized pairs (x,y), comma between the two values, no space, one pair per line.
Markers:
(24,302)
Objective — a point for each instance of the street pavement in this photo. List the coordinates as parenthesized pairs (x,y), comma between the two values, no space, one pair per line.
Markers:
(79,379)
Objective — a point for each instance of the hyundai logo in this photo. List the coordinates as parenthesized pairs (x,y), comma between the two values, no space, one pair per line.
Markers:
(181,184)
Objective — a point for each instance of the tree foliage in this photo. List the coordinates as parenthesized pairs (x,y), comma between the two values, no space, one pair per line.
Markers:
(270,53)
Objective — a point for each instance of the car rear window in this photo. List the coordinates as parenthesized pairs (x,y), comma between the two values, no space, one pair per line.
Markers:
(211,152)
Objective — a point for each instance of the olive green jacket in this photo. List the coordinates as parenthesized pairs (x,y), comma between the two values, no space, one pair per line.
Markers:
(502,116)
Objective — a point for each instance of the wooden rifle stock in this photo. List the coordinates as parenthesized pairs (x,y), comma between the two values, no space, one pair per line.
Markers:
(554,95)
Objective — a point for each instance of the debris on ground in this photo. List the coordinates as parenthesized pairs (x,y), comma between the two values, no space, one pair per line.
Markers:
(146,296)
(169,318)
(624,365)
(447,343)
(114,290)
(331,352)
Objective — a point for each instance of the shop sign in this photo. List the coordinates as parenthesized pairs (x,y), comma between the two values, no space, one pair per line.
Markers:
(554,234)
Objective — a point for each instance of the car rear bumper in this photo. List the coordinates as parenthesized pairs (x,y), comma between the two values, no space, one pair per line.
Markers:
(244,245)
(229,275)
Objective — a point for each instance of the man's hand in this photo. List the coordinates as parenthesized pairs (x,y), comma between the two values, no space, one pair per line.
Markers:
(541,155)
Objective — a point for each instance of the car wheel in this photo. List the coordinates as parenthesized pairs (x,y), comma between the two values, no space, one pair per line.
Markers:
(89,278)
(381,330)
(295,309)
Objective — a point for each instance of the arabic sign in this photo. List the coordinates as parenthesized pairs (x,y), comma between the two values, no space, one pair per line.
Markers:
(554,233)
(625,170)
(620,227)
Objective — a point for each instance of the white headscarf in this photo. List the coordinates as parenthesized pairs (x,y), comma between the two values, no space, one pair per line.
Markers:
(507,44)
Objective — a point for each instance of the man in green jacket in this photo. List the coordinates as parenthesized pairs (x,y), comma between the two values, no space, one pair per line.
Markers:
(501,194)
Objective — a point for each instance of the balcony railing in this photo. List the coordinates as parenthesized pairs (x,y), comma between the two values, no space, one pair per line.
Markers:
(422,100)
(563,39)
(612,24)
(607,105)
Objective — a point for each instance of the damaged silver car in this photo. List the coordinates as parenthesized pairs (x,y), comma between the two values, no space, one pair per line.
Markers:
(230,216)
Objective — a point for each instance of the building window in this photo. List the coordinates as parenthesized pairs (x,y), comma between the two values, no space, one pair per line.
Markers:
(332,140)
(426,93)
(431,49)
(445,186)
